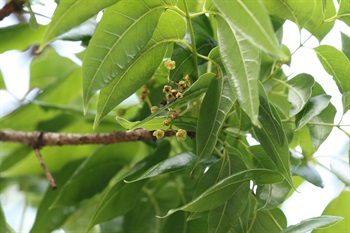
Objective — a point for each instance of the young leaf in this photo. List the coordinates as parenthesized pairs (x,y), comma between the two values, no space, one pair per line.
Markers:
(314,107)
(313,223)
(241,61)
(251,19)
(69,14)
(272,138)
(300,89)
(337,65)
(137,70)
(115,46)
(175,163)
(215,106)
(221,219)
(220,192)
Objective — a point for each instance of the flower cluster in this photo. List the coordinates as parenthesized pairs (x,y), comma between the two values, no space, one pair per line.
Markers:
(181,134)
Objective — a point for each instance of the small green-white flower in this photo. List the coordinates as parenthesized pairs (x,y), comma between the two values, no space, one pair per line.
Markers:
(181,135)
(158,133)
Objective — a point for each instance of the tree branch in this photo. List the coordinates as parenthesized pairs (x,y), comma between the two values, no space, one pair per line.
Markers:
(39,139)
(10,7)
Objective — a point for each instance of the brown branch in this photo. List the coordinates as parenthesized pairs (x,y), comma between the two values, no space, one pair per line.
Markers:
(39,139)
(10,7)
(46,171)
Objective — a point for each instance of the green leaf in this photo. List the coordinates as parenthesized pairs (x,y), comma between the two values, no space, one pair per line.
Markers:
(48,219)
(344,11)
(20,37)
(302,168)
(341,169)
(269,221)
(270,196)
(337,65)
(215,106)
(93,175)
(300,89)
(241,61)
(242,224)
(314,107)
(175,163)
(71,13)
(305,14)
(318,132)
(312,223)
(273,139)
(251,19)
(339,206)
(221,219)
(220,192)
(345,41)
(138,70)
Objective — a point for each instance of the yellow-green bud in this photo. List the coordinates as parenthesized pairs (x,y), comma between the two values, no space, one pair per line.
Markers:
(170,64)
(154,109)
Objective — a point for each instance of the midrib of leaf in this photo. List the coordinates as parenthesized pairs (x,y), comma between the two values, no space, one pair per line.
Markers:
(333,72)
(116,43)
(291,11)
(274,221)
(295,91)
(267,35)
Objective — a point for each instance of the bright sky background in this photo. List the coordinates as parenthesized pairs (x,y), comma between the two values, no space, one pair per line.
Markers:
(308,202)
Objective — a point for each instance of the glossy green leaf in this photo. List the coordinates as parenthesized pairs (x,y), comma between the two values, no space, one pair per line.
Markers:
(341,169)
(241,61)
(70,14)
(215,106)
(251,19)
(51,219)
(194,91)
(318,132)
(302,168)
(270,196)
(340,207)
(219,193)
(138,70)
(269,221)
(300,89)
(20,37)
(221,219)
(314,107)
(93,175)
(344,11)
(313,223)
(183,122)
(345,40)
(305,14)
(175,163)
(242,225)
(337,65)
(273,139)
(302,138)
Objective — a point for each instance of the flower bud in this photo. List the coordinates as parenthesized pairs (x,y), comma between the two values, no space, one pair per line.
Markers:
(154,109)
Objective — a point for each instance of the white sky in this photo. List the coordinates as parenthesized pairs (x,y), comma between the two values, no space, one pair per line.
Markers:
(15,68)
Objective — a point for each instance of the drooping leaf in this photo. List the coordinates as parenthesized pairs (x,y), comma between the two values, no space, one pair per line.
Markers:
(133,72)
(340,207)
(241,61)
(20,37)
(268,221)
(219,193)
(222,218)
(305,14)
(71,13)
(344,11)
(251,19)
(314,107)
(337,65)
(313,223)
(272,137)
(215,106)
(177,162)
(300,89)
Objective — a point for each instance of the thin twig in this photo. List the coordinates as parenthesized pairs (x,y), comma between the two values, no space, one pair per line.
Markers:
(46,171)
(10,7)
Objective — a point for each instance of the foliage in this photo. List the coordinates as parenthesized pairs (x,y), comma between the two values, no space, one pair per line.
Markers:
(225,86)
